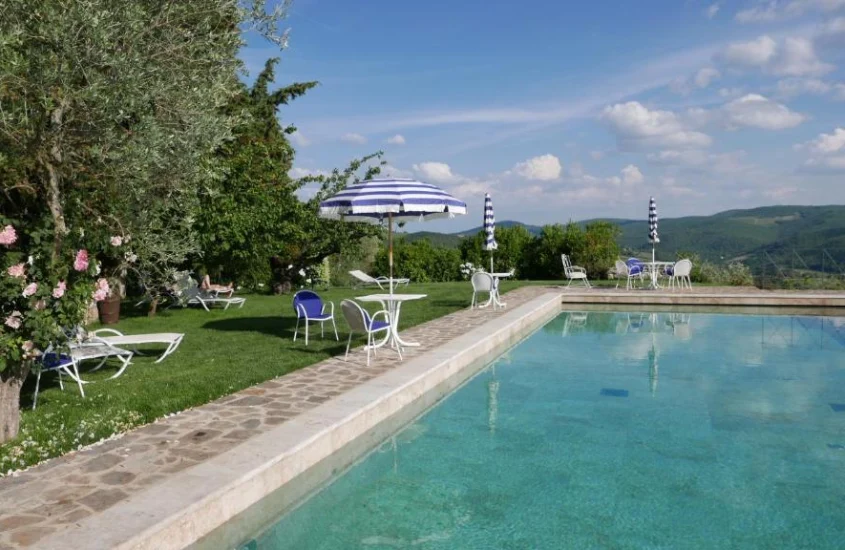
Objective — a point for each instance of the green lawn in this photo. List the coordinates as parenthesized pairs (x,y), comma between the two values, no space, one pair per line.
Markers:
(223,352)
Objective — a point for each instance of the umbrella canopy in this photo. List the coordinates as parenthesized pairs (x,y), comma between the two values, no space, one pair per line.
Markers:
(391,199)
(489,228)
(653,238)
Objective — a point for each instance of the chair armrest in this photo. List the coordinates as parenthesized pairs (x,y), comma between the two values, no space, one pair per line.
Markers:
(300,309)
(376,314)
(332,308)
(577,268)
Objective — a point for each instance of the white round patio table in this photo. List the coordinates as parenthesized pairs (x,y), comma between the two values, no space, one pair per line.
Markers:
(392,303)
(653,269)
(494,296)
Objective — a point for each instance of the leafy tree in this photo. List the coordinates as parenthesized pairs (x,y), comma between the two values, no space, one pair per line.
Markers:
(110,112)
(600,248)
(512,242)
(542,257)
(421,261)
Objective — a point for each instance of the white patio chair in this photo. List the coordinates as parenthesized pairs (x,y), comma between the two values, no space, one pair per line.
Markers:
(195,295)
(574,272)
(96,348)
(481,283)
(116,338)
(309,307)
(630,274)
(681,274)
(359,320)
(364,279)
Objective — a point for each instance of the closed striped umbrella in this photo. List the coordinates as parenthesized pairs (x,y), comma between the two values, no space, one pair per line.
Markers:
(489,228)
(394,200)
(653,238)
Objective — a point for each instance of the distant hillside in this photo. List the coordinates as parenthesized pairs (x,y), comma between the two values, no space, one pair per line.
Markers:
(454,239)
(817,233)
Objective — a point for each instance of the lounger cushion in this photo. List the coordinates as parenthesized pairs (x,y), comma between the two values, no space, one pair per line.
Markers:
(54,360)
(378,325)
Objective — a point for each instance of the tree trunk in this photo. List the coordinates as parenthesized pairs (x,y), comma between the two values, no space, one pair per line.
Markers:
(153,307)
(11,381)
(54,195)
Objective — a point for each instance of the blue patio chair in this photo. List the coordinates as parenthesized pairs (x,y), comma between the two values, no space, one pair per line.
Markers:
(309,307)
(359,320)
(61,363)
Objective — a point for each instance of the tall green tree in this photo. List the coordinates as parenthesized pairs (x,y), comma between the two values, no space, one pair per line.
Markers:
(255,226)
(110,112)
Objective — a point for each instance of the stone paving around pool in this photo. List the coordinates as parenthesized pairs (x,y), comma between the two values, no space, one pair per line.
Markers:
(54,496)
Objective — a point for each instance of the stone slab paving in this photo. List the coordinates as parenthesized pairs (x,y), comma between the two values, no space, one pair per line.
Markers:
(58,493)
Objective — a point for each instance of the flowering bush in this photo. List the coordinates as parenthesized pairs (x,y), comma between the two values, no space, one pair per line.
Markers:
(468,269)
(39,297)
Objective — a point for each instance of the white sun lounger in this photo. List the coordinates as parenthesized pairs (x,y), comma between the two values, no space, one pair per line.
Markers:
(197,296)
(365,279)
(115,338)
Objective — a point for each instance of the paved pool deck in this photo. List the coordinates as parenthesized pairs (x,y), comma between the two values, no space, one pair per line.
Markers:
(68,500)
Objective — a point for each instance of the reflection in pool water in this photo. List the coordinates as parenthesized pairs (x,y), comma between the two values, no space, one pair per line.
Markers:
(613,430)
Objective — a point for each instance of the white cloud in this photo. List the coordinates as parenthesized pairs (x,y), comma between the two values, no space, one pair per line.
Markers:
(755,53)
(631,175)
(774,10)
(839,92)
(730,92)
(388,170)
(756,111)
(705,76)
(792,87)
(702,161)
(827,152)
(798,58)
(299,139)
(398,139)
(636,126)
(827,144)
(437,172)
(353,138)
(711,11)
(543,168)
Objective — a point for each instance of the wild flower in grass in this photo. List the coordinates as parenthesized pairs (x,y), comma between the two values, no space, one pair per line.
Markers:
(116,240)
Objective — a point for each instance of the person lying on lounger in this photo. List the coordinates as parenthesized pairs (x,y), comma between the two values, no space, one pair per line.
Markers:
(208,286)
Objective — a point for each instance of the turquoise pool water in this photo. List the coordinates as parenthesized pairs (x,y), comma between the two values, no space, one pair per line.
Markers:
(612,430)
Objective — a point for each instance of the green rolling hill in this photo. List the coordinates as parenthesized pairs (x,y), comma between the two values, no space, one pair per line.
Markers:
(800,237)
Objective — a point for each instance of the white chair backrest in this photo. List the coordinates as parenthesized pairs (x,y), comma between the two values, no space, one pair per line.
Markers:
(567,264)
(682,268)
(482,282)
(621,268)
(361,276)
(355,315)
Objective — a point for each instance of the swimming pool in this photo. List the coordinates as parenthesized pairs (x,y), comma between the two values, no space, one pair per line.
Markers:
(622,430)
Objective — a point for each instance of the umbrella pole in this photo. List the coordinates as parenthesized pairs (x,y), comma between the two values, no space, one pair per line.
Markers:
(390,247)
(491,262)
(653,269)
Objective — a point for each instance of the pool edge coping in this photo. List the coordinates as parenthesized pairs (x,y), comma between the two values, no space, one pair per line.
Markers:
(197,500)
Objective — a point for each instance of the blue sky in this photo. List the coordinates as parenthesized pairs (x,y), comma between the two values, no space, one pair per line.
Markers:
(574,110)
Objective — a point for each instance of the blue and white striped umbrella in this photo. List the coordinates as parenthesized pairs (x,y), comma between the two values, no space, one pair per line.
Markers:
(394,200)
(398,199)
(489,224)
(653,238)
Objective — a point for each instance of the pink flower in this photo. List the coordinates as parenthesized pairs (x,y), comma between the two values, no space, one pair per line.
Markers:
(28,346)
(59,291)
(8,236)
(30,289)
(14,320)
(40,305)
(102,290)
(117,240)
(16,270)
(81,261)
